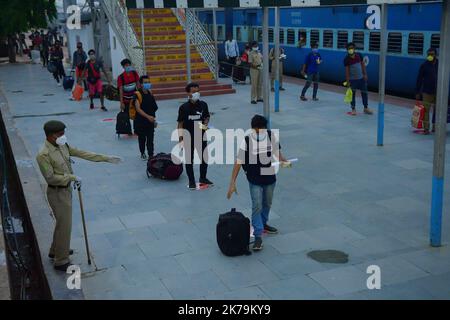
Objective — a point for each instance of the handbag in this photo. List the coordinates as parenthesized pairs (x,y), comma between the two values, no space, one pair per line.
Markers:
(418,115)
(348,96)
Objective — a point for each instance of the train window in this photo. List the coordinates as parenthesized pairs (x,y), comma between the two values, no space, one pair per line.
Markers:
(238,34)
(395,42)
(281,35)
(271,35)
(435,41)
(315,37)
(291,36)
(302,38)
(328,39)
(342,39)
(260,36)
(374,41)
(415,43)
(358,40)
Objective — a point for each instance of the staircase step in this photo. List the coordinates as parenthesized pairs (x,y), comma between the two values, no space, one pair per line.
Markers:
(180,77)
(182,84)
(152,73)
(150,11)
(169,29)
(169,50)
(154,20)
(162,33)
(179,67)
(170,96)
(212,87)
(137,15)
(159,43)
(178,38)
(165,61)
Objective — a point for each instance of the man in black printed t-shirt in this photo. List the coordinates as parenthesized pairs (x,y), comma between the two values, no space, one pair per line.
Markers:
(193,117)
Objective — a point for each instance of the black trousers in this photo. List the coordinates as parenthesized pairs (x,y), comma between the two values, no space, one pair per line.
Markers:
(146,139)
(231,62)
(60,72)
(190,161)
(127,111)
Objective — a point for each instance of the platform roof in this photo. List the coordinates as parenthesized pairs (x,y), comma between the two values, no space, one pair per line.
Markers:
(143,4)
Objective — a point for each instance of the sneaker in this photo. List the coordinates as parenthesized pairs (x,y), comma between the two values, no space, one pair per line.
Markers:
(192,186)
(206,181)
(368,111)
(59,84)
(258,245)
(426,132)
(303,99)
(254,102)
(273,90)
(104,109)
(92,107)
(63,267)
(270,230)
(282,89)
(52,256)
(315,99)
(354,112)
(144,157)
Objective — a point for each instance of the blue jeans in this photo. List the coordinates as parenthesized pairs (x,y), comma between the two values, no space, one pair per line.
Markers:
(361,85)
(261,203)
(312,77)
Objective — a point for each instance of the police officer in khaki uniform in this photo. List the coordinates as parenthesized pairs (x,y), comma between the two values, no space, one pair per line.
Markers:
(56,167)
(255,60)
(273,73)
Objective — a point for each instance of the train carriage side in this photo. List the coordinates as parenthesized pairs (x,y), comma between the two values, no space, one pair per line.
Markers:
(412,29)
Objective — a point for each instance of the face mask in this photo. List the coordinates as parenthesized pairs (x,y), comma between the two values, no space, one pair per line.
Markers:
(196,96)
(261,136)
(255,49)
(61,141)
(92,57)
(79,48)
(315,50)
(129,69)
(351,51)
(147,86)
(430,58)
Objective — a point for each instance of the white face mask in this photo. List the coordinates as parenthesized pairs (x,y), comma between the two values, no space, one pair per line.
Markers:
(255,49)
(61,141)
(196,96)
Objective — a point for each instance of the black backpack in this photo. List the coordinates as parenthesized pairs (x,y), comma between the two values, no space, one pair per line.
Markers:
(123,125)
(233,234)
(162,167)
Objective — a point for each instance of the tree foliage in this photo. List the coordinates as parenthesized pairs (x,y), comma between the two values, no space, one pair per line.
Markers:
(23,15)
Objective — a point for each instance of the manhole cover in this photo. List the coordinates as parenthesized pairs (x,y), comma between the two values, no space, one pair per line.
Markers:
(329,256)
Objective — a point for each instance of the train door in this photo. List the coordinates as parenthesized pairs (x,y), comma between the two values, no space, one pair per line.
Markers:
(252,27)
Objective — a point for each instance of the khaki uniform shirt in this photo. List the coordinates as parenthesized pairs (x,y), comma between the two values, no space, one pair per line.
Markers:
(255,59)
(55,163)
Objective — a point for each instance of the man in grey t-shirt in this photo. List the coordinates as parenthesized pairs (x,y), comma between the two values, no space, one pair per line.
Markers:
(356,75)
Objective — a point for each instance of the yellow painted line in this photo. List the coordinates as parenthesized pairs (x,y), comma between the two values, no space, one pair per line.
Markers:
(205,76)
(180,37)
(158,29)
(150,11)
(153,20)
(171,67)
(172,57)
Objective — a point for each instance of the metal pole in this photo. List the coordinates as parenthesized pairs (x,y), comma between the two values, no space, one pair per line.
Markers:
(265,71)
(188,46)
(442,95)
(382,73)
(215,43)
(144,53)
(276,65)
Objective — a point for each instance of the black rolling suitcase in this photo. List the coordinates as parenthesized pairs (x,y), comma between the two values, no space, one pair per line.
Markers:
(69,81)
(233,234)
(123,125)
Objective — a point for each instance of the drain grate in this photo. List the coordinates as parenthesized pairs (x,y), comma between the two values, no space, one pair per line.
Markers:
(48,95)
(17,91)
(329,256)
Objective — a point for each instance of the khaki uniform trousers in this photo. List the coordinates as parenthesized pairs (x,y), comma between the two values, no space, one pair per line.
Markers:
(429,101)
(256,76)
(60,201)
(273,75)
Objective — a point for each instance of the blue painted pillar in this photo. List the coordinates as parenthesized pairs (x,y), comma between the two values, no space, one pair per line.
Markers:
(382,83)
